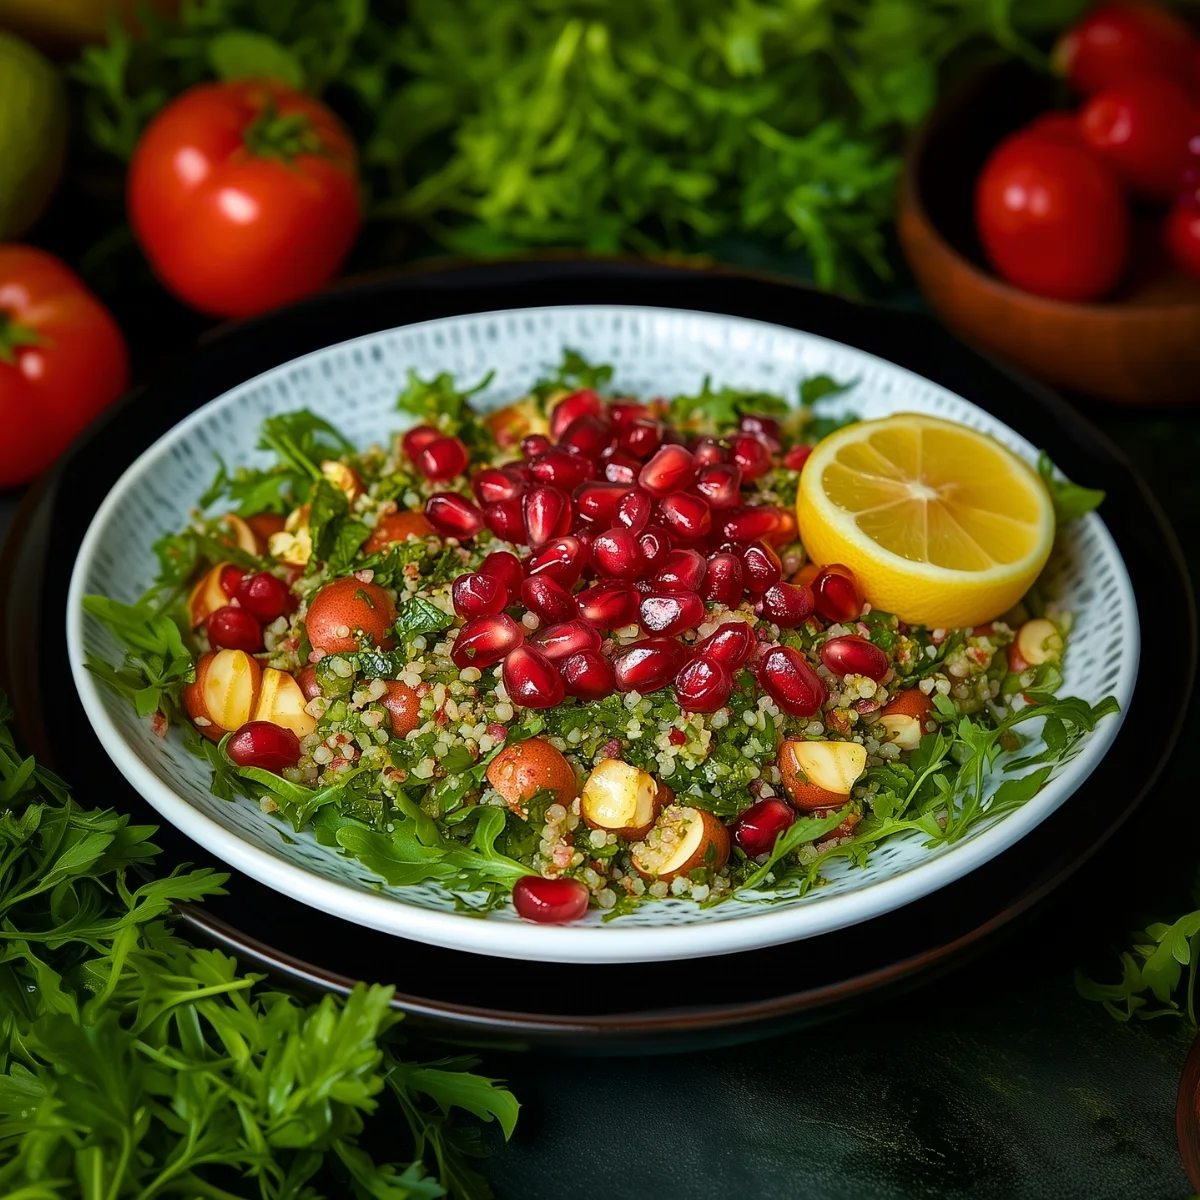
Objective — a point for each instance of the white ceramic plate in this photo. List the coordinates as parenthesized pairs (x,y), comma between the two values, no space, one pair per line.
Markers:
(654,351)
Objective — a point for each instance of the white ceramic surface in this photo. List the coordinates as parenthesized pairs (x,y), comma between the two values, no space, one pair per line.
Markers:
(654,351)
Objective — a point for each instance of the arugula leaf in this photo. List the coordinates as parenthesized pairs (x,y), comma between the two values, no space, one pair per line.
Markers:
(302,441)
(817,387)
(438,401)
(801,832)
(1070,500)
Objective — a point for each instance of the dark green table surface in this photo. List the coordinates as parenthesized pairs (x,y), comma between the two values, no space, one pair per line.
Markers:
(997,1081)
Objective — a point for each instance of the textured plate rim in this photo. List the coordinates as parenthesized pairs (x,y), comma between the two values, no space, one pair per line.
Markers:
(757,928)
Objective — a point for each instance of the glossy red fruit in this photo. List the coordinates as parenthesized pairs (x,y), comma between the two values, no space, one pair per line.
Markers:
(723,581)
(785,531)
(234,629)
(633,509)
(836,594)
(720,484)
(476,594)
(621,412)
(588,675)
(563,559)
(786,604)
(616,554)
(506,567)
(760,567)
(307,679)
(587,436)
(265,597)
(484,641)
(620,467)
(796,457)
(707,451)
(655,545)
(584,403)
(750,455)
(729,644)
(506,519)
(548,599)
(265,745)
(558,469)
(531,680)
(597,500)
(1182,234)
(672,469)
(231,579)
(641,438)
(417,438)
(609,605)
(559,642)
(648,665)
(687,517)
(453,515)
(668,613)
(766,429)
(748,523)
(791,682)
(443,458)
(703,685)
(547,514)
(549,901)
(535,444)
(496,483)
(681,571)
(854,655)
(759,827)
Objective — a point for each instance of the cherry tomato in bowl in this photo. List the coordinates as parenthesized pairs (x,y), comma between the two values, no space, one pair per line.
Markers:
(244,196)
(62,360)
(1052,217)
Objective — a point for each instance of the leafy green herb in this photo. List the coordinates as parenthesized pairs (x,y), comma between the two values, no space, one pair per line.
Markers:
(574,374)
(438,401)
(1070,500)
(418,617)
(716,410)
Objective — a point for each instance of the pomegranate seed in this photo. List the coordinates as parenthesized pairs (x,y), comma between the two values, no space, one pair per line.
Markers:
(854,655)
(687,517)
(730,644)
(672,469)
(265,745)
(231,578)
(598,500)
(558,642)
(417,438)
(837,594)
(616,553)
(766,429)
(547,514)
(608,605)
(749,523)
(535,444)
(584,403)
(563,559)
(234,629)
(621,413)
(748,453)
(796,457)
(587,436)
(654,545)
(476,594)
(703,686)
(792,683)
(452,514)
(720,484)
(496,483)
(708,451)
(559,469)
(634,509)
(668,613)
(621,468)
(760,566)
(677,737)
(641,438)
(265,596)
(723,579)
(549,901)
(484,641)
(681,571)
(531,680)
(546,597)
(786,604)
(506,519)
(443,458)
(759,827)
(648,665)
(588,675)
(507,568)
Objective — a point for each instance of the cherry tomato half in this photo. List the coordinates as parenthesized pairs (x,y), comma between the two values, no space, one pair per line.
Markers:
(62,360)
(1182,233)
(244,196)
(1052,218)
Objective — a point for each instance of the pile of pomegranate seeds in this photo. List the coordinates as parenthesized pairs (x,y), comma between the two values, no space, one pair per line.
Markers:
(627,522)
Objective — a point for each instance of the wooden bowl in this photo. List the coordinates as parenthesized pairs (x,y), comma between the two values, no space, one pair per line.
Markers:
(1142,346)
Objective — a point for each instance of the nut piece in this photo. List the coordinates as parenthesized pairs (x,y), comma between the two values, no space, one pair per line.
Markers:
(207,596)
(346,479)
(294,544)
(281,701)
(820,774)
(683,839)
(1038,641)
(509,425)
(905,719)
(622,799)
(519,772)
(223,696)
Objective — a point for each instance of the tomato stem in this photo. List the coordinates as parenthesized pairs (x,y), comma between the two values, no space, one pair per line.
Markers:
(285,136)
(14,335)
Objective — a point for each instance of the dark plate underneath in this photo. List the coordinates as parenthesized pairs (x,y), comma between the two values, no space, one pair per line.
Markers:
(610,1009)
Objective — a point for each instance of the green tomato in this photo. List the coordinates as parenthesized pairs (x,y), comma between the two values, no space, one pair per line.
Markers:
(33,134)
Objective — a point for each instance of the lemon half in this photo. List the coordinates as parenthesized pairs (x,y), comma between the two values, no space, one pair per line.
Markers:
(942,524)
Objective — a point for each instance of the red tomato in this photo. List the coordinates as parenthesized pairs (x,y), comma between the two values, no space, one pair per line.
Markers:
(62,360)
(1057,125)
(1182,234)
(244,196)
(1141,128)
(1052,218)
(1116,41)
